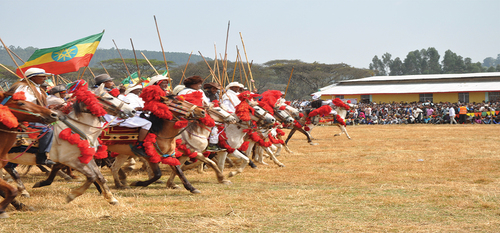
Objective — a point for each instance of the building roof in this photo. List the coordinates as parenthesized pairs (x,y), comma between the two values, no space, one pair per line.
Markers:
(412,84)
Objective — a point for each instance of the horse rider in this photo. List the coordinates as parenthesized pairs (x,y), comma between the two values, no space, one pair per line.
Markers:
(56,98)
(230,99)
(212,90)
(192,84)
(30,85)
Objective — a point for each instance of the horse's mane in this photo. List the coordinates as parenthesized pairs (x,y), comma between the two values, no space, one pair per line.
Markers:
(156,123)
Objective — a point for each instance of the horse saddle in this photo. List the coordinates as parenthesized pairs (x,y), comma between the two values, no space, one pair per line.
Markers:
(119,135)
(24,144)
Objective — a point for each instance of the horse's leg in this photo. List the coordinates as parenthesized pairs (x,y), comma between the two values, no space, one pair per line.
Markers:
(50,178)
(259,154)
(221,157)
(192,166)
(244,161)
(10,193)
(178,171)
(278,147)
(271,155)
(280,137)
(17,204)
(155,167)
(290,134)
(17,178)
(115,169)
(309,140)
(345,131)
(170,181)
(250,162)
(218,173)
(105,191)
(43,169)
(230,162)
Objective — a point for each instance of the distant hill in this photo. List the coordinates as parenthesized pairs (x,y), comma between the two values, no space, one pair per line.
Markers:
(105,54)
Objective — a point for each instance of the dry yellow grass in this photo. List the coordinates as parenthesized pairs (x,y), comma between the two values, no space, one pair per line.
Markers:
(437,178)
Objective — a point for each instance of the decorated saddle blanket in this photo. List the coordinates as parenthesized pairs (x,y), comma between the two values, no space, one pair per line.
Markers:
(25,144)
(119,135)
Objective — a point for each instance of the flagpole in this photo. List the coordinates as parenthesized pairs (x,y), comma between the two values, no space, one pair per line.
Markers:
(185,68)
(128,72)
(286,91)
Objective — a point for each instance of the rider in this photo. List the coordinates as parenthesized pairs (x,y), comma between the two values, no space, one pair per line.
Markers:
(193,84)
(30,85)
(56,98)
(230,99)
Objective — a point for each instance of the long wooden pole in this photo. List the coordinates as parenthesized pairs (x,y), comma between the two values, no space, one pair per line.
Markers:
(234,69)
(125,64)
(185,68)
(249,70)
(162,51)
(30,85)
(93,75)
(10,71)
(224,63)
(136,62)
(286,90)
(150,63)
(213,75)
(104,69)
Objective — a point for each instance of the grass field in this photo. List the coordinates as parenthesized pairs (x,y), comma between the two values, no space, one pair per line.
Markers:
(411,178)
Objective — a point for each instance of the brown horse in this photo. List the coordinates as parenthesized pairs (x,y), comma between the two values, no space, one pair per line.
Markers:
(165,140)
(23,111)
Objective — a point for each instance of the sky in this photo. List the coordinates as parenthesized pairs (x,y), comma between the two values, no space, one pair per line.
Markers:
(330,31)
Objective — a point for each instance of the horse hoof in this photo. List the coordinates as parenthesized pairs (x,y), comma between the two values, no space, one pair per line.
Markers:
(113,201)
(314,144)
(4,215)
(134,183)
(231,174)
(336,135)
(37,185)
(173,186)
(281,165)
(195,191)
(25,193)
(227,182)
(24,207)
(70,198)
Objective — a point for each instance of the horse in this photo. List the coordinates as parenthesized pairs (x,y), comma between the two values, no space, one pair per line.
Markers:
(23,111)
(342,113)
(165,141)
(195,139)
(235,135)
(81,118)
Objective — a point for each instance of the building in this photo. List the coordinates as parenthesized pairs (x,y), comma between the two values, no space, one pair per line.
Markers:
(469,88)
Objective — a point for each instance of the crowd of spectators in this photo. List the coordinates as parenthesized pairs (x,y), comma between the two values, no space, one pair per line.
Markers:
(419,113)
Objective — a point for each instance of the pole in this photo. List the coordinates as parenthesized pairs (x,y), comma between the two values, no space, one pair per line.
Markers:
(249,70)
(150,63)
(185,68)
(128,72)
(136,62)
(286,90)
(162,51)
(104,69)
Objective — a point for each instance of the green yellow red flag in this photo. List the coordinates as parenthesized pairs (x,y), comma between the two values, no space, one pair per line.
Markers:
(64,59)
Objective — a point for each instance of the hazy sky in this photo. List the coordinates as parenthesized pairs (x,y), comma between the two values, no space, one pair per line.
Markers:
(327,31)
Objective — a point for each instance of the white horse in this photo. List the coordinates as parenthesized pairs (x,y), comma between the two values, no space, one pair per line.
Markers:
(67,154)
(342,113)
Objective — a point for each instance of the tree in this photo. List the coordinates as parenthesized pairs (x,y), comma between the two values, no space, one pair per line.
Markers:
(396,67)
(144,67)
(434,66)
(412,62)
(378,66)
(452,63)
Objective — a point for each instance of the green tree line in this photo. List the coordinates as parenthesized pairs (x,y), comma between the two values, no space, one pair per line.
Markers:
(427,61)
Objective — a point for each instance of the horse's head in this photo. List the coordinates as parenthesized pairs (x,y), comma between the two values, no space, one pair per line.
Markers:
(283,116)
(112,105)
(220,115)
(262,116)
(183,108)
(27,111)
(295,113)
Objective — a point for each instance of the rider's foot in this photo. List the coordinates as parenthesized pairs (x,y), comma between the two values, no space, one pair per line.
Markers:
(138,149)
(41,159)
(214,148)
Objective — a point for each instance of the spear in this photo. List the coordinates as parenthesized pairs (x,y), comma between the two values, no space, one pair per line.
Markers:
(128,72)
(234,69)
(224,64)
(136,62)
(104,68)
(213,75)
(185,68)
(163,51)
(30,85)
(286,90)
(249,70)
(150,63)
(93,75)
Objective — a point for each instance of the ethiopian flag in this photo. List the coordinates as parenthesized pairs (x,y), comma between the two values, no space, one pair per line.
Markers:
(64,59)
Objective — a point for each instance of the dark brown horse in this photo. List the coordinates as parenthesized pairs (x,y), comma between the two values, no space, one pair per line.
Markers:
(23,111)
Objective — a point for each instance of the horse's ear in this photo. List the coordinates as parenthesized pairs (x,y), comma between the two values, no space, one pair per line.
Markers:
(100,89)
(164,98)
(2,95)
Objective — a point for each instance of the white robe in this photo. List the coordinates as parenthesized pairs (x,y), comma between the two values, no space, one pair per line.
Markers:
(230,98)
